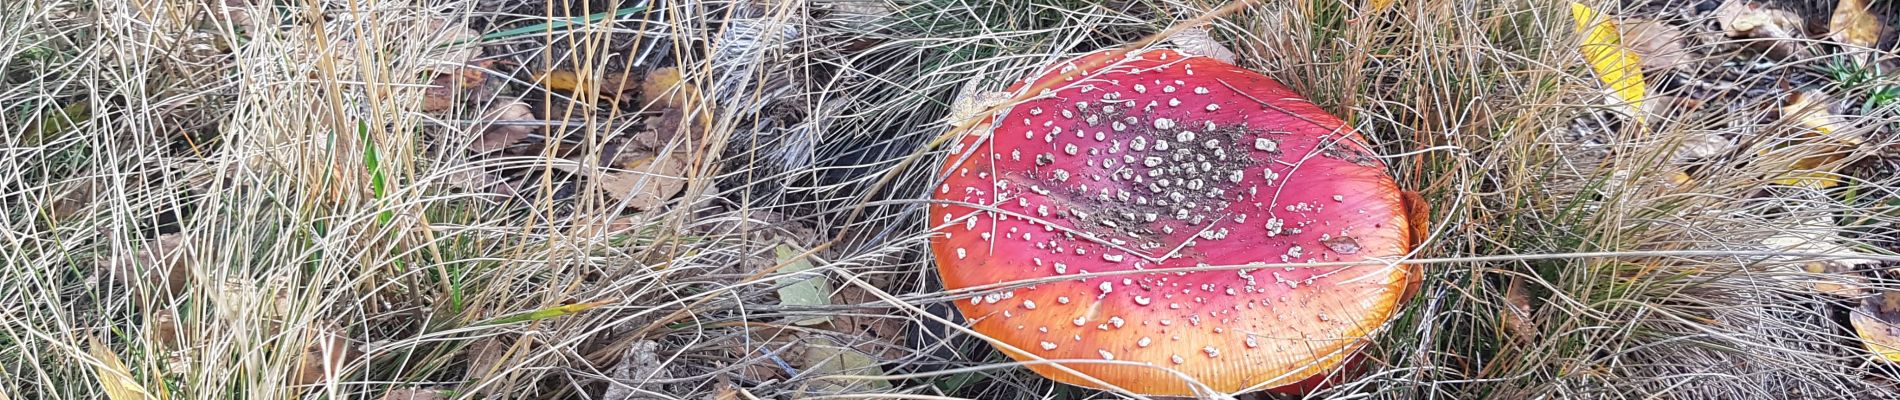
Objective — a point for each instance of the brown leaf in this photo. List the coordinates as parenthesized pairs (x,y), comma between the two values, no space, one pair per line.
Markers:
(161,268)
(489,359)
(682,109)
(645,183)
(328,355)
(505,129)
(76,199)
(164,328)
(882,333)
(1854,24)
(1658,45)
(1778,29)
(485,355)
(1518,313)
(450,88)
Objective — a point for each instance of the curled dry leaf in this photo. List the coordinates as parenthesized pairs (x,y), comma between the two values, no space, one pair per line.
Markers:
(485,355)
(163,329)
(161,266)
(1518,318)
(1854,24)
(1197,41)
(448,89)
(327,356)
(1777,31)
(505,126)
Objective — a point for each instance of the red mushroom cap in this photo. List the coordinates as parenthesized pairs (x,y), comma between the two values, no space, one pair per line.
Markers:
(1157,161)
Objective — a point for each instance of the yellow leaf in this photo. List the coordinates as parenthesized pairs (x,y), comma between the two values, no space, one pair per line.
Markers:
(609,86)
(1375,6)
(1614,64)
(113,375)
(1852,24)
(1810,111)
(1874,322)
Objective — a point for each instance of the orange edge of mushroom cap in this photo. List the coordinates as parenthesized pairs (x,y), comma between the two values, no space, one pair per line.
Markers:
(1231,331)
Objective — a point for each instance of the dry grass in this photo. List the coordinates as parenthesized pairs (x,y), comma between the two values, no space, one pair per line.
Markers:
(322,243)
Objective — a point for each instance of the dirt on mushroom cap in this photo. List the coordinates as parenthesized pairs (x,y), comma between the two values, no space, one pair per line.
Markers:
(1163,161)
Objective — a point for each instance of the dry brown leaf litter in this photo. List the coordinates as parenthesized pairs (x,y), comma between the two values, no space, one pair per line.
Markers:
(1776,32)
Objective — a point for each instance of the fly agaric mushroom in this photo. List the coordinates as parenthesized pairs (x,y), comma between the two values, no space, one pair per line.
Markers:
(1147,162)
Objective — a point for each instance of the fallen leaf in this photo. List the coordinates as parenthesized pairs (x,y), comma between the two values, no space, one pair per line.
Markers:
(1816,236)
(642,363)
(1778,31)
(1810,110)
(448,89)
(825,357)
(1517,312)
(414,394)
(1854,24)
(163,329)
(682,109)
(797,288)
(1376,6)
(722,389)
(1197,41)
(666,87)
(1875,323)
(489,359)
(1835,279)
(1615,65)
(160,268)
(505,127)
(76,199)
(327,355)
(883,333)
(1700,145)
(117,380)
(54,124)
(608,87)
(1658,45)
(645,183)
